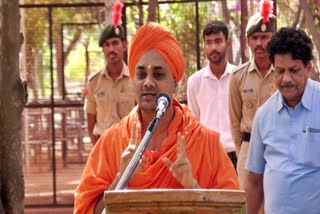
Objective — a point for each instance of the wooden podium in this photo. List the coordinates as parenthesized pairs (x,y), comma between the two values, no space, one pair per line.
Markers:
(174,201)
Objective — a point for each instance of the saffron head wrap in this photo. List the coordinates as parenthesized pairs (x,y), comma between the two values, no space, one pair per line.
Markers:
(154,36)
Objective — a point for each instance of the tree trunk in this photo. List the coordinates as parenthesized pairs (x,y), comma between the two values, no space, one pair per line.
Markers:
(152,10)
(226,15)
(311,24)
(243,38)
(141,15)
(58,46)
(12,101)
(297,16)
(313,31)
(69,48)
(108,11)
(251,7)
(28,68)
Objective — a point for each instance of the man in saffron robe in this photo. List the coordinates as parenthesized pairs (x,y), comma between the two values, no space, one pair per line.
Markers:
(181,154)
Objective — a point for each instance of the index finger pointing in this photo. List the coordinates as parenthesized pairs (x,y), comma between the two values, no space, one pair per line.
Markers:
(181,147)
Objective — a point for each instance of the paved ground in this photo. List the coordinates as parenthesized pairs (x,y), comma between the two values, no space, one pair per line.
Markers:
(39,179)
(39,186)
(71,153)
(39,190)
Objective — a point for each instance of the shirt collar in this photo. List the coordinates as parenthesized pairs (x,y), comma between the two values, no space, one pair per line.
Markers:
(124,72)
(253,67)
(279,102)
(307,96)
(208,73)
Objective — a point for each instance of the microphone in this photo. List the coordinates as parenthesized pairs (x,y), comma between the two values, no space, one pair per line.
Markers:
(163,101)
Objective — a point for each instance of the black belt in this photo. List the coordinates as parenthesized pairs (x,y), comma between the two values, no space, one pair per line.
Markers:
(246,136)
(232,155)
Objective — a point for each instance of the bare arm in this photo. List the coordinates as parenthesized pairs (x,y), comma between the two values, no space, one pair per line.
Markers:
(254,192)
(91,121)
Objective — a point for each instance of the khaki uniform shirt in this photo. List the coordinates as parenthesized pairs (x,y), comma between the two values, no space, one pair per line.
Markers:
(248,91)
(109,100)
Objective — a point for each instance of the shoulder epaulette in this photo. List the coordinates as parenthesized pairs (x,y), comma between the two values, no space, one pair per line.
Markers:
(92,75)
(240,67)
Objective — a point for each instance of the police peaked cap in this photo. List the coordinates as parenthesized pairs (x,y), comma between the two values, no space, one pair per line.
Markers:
(111,32)
(255,24)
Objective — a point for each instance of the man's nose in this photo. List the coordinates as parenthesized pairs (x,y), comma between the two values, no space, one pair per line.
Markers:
(213,47)
(111,48)
(286,77)
(259,42)
(149,81)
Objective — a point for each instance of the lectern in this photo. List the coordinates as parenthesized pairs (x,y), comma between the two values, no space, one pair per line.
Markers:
(174,201)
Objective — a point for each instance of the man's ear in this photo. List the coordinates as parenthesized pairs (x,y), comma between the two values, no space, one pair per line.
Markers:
(228,43)
(309,68)
(175,84)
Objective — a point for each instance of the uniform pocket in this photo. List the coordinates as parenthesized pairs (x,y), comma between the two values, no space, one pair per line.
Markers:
(104,104)
(249,105)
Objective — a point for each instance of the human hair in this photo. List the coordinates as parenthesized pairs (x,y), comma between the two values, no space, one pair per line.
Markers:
(215,27)
(290,40)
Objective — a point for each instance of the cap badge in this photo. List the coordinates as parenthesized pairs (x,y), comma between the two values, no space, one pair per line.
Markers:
(117,31)
(263,27)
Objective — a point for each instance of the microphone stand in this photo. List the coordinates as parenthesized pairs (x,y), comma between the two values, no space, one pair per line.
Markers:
(165,101)
(137,155)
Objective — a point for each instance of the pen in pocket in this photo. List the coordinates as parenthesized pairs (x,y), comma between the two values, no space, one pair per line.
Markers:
(311,130)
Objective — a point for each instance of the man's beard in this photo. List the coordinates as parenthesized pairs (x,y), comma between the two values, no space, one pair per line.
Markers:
(218,59)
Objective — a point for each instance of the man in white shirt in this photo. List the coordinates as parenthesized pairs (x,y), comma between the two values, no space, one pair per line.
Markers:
(208,88)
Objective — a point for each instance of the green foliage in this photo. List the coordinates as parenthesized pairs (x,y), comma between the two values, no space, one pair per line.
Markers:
(179,17)
(76,62)
(35,27)
(75,69)
(132,16)
(36,33)
(43,73)
(286,14)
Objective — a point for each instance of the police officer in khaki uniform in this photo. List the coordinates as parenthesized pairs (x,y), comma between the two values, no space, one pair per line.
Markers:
(110,92)
(251,84)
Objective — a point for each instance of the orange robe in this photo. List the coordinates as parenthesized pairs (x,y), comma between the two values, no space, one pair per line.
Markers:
(210,164)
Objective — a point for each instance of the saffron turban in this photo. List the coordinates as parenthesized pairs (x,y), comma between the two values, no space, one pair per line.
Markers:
(154,36)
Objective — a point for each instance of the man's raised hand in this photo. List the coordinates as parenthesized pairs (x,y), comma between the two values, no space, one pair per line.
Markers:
(181,169)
